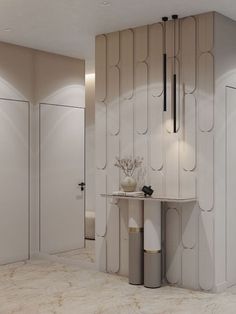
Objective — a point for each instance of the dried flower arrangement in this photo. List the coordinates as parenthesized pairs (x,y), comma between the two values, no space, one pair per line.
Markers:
(128,165)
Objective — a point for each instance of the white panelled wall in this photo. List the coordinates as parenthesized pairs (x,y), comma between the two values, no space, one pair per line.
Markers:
(130,121)
(27,78)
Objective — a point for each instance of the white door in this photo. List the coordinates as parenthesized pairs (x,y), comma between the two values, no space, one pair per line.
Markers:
(231,184)
(61,170)
(14,181)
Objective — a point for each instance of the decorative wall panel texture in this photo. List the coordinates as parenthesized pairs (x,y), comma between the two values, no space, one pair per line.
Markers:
(131,122)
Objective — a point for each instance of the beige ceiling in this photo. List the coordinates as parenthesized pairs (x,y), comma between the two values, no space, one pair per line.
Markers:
(69,26)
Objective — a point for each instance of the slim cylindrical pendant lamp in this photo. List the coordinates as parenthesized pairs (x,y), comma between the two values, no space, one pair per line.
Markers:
(152,244)
(136,242)
(164,19)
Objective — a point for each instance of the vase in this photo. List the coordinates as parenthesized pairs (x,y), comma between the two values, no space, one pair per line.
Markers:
(128,184)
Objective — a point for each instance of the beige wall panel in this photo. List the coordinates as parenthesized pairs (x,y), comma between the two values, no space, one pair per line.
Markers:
(188,183)
(101,254)
(126,128)
(189,143)
(206,92)
(101,205)
(141,43)
(189,218)
(113,101)
(141,98)
(172,38)
(100,134)
(155,61)
(16,68)
(100,67)
(113,238)
(155,123)
(189,277)
(205,31)
(188,28)
(206,244)
(113,175)
(171,69)
(141,150)
(173,256)
(205,186)
(59,80)
(113,51)
(126,63)
(156,179)
(172,165)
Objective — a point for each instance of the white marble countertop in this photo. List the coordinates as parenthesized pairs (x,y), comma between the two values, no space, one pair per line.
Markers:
(150,198)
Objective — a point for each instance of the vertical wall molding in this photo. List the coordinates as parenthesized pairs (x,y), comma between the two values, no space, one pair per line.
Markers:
(100,67)
(126,64)
(141,98)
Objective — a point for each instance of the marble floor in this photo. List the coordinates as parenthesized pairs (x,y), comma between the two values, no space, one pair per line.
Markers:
(46,287)
(83,255)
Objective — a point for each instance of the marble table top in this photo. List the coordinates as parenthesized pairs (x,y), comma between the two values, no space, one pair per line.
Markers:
(152,198)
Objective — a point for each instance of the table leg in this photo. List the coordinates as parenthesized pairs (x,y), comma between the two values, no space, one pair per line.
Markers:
(152,244)
(136,242)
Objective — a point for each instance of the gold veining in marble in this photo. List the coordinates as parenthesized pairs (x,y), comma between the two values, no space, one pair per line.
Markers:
(46,287)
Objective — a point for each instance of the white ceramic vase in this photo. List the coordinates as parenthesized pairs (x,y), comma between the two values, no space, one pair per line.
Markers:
(128,184)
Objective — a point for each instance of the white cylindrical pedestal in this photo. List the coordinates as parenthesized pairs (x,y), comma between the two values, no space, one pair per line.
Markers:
(135,242)
(152,244)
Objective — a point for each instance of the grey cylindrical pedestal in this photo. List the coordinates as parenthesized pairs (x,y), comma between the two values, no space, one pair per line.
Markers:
(136,256)
(152,244)
(152,269)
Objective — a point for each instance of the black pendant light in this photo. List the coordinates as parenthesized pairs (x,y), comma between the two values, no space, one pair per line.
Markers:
(174,17)
(164,19)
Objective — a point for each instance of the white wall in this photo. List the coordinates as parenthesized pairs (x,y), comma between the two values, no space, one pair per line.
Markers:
(35,76)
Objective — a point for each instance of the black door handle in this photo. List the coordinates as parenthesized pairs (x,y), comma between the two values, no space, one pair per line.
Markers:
(82,185)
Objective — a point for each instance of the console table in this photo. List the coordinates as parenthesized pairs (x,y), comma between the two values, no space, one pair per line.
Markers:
(145,237)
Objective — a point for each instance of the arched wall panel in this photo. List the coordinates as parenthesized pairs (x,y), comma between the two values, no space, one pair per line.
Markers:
(189,143)
(101,206)
(141,98)
(172,38)
(189,265)
(126,128)
(155,61)
(173,256)
(171,165)
(206,92)
(205,31)
(141,43)
(113,51)
(188,48)
(189,225)
(113,100)
(155,122)
(100,67)
(100,134)
(101,253)
(126,64)
(205,186)
(206,243)
(113,174)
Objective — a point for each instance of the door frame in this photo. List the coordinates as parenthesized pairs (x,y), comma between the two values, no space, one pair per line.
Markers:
(39,165)
(26,102)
